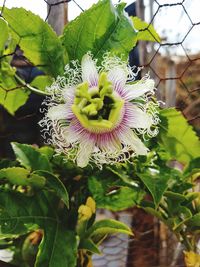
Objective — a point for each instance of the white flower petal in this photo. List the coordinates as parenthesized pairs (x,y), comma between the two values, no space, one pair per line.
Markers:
(136,118)
(118,76)
(89,70)
(128,138)
(70,135)
(109,143)
(86,147)
(68,93)
(138,89)
(58,112)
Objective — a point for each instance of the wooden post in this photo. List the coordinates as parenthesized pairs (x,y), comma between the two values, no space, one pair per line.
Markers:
(142,44)
(58,15)
(170,86)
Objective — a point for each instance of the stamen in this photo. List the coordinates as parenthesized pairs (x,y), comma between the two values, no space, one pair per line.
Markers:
(97,108)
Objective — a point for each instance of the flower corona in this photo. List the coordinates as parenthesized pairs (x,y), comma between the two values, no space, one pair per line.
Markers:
(100,113)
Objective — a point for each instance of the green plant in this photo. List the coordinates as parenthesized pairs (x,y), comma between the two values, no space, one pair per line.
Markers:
(47,203)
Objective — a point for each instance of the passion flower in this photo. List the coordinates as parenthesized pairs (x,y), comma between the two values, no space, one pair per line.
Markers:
(95,114)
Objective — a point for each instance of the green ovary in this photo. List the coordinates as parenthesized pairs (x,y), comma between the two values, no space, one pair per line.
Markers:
(98,108)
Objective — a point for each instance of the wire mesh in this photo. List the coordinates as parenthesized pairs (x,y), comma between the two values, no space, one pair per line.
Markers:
(151,246)
(174,64)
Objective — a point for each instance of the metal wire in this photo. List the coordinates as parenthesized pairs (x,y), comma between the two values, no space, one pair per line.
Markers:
(181,74)
(186,95)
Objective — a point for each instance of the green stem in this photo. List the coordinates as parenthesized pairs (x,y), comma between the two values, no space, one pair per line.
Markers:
(33,89)
(164,210)
(186,242)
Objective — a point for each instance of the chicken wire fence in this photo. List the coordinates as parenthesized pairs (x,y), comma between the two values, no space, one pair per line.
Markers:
(174,64)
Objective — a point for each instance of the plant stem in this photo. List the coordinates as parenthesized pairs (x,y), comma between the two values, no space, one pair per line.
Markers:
(33,89)
(186,242)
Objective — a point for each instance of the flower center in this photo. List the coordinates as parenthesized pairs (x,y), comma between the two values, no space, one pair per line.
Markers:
(99,108)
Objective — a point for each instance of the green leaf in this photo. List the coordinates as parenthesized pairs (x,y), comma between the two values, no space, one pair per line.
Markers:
(30,158)
(58,248)
(47,151)
(178,211)
(155,213)
(20,214)
(179,218)
(5,244)
(192,196)
(55,184)
(174,202)
(15,175)
(12,96)
(88,244)
(36,180)
(194,222)
(109,195)
(6,163)
(193,169)
(149,208)
(106,227)
(146,31)
(178,137)
(41,82)
(21,176)
(156,183)
(37,39)
(175,197)
(123,174)
(99,29)
(4,34)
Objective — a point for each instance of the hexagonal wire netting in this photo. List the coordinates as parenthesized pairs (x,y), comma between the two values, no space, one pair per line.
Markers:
(174,64)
